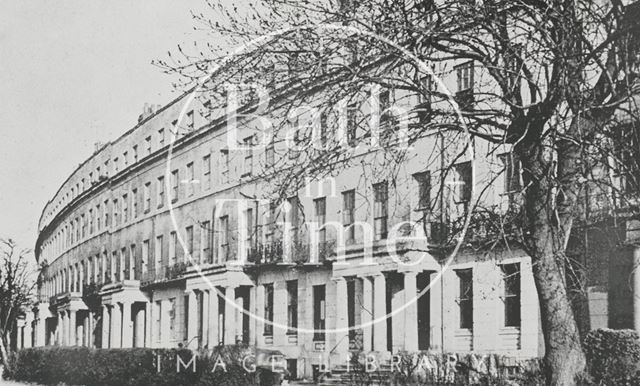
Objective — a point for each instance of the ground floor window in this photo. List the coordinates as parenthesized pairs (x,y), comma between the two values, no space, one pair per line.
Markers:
(319,294)
(292,306)
(158,326)
(511,275)
(268,309)
(465,298)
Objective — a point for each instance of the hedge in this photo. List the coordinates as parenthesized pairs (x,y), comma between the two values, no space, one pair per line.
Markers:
(53,365)
(613,356)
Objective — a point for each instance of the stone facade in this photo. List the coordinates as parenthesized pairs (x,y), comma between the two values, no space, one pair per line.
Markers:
(141,253)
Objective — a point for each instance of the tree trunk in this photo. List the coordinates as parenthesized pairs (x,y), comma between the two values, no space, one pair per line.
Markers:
(545,242)
(564,358)
(3,350)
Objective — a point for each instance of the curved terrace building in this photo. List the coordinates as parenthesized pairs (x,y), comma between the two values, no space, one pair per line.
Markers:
(160,240)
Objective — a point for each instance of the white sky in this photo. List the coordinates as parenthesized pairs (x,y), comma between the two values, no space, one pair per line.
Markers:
(72,73)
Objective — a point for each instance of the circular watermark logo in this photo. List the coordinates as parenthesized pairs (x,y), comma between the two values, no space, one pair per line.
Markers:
(233,145)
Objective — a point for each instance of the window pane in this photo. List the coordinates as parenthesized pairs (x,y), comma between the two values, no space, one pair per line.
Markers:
(292,305)
(511,274)
(319,312)
(268,309)
(465,298)
(380,210)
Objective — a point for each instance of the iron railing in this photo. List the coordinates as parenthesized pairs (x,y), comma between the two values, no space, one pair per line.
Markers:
(163,274)
(295,252)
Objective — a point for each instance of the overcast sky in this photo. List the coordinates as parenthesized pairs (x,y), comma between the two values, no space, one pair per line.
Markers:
(73,73)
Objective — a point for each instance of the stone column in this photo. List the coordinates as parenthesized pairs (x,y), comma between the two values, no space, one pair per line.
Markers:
(28,336)
(367,314)
(116,326)
(127,328)
(252,319)
(89,329)
(139,327)
(148,311)
(164,324)
(192,320)
(57,334)
(153,329)
(20,336)
(341,317)
(411,311)
(435,312)
(41,330)
(106,326)
(379,313)
(80,332)
(229,317)
(259,311)
(239,318)
(213,318)
(71,341)
(205,319)
(280,296)
(36,333)
(64,330)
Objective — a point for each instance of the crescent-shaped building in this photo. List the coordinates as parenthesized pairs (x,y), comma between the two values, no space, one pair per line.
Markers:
(172,235)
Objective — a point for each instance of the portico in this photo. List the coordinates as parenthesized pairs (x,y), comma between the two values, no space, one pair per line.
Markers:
(124,315)
(220,301)
(387,306)
(71,325)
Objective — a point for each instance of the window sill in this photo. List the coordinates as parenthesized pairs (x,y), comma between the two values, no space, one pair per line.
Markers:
(292,339)
(319,345)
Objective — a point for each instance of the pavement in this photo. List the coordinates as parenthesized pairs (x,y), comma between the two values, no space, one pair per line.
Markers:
(4,382)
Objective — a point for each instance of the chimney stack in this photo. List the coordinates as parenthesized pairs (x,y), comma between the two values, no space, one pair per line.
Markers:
(147,110)
(97,146)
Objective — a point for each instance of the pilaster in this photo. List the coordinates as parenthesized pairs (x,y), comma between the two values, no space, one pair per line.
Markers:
(410,312)
(379,313)
(341,317)
(230,316)
(367,314)
(127,328)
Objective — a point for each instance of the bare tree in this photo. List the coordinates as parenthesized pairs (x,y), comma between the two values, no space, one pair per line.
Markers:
(17,285)
(560,78)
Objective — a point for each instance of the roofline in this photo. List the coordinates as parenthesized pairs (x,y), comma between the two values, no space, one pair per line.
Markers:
(109,143)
